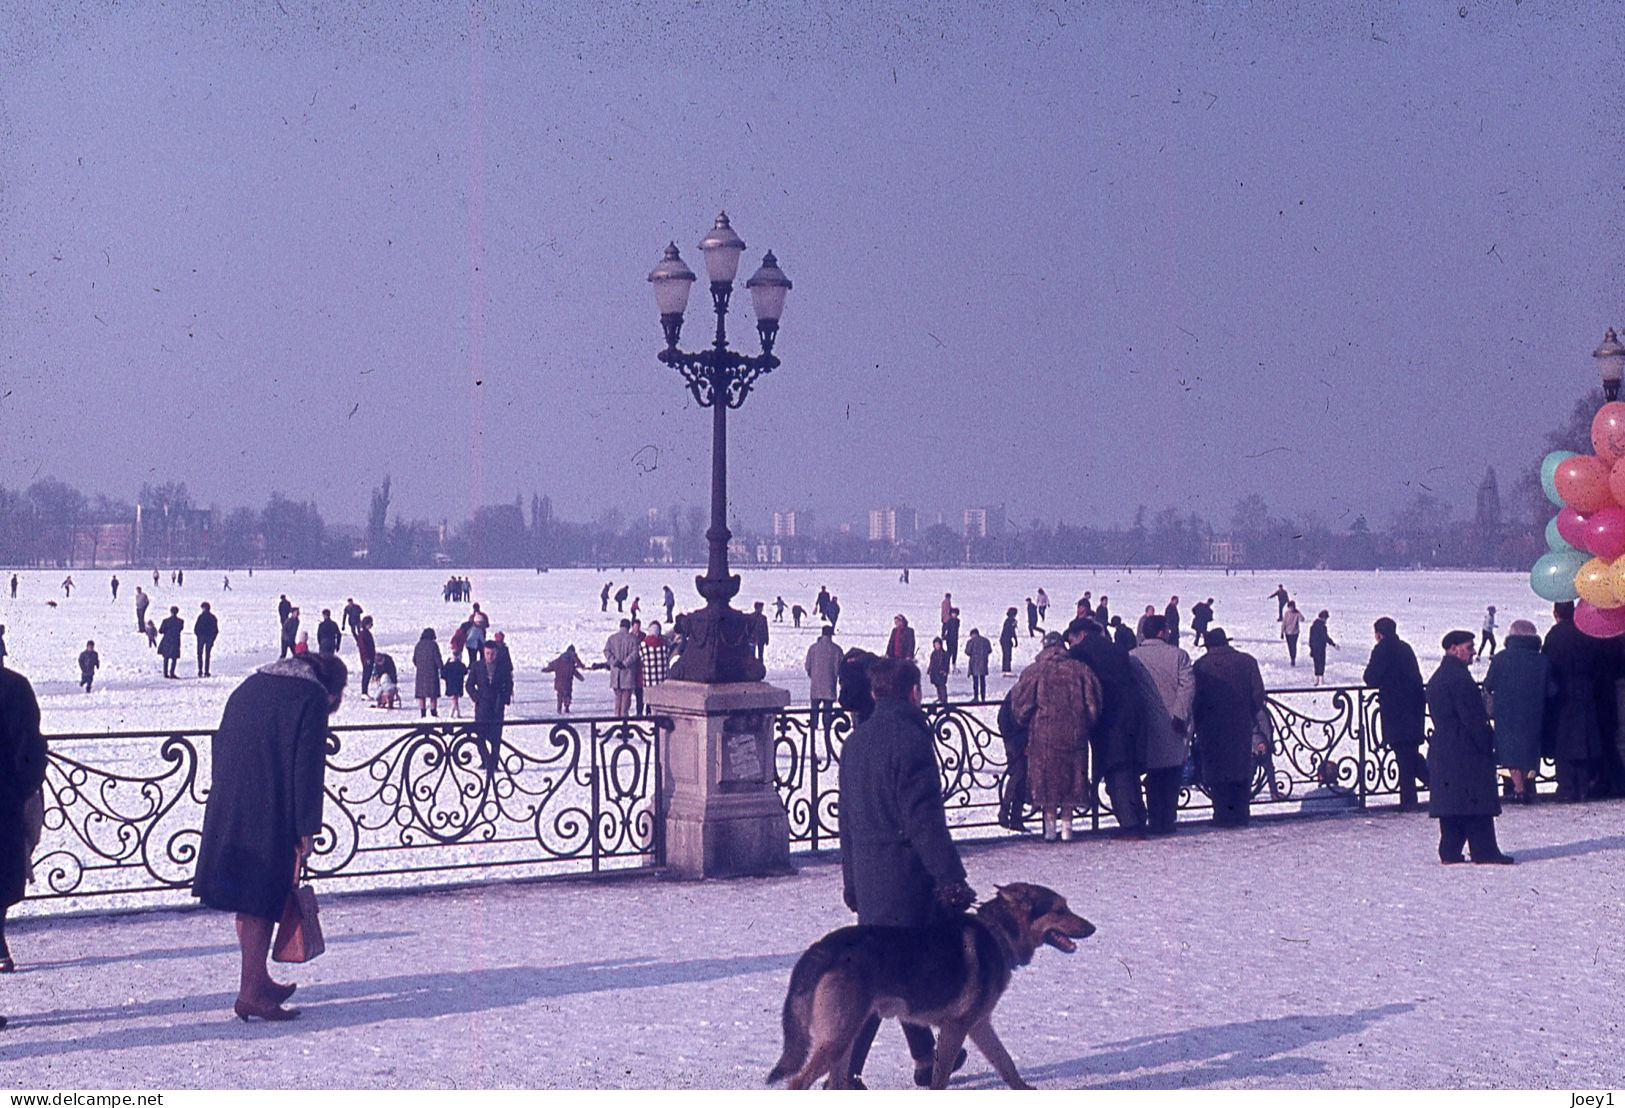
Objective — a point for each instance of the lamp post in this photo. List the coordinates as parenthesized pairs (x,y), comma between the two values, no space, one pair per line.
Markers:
(1611,364)
(717,650)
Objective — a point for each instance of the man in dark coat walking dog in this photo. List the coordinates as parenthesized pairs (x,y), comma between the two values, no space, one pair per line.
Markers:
(1229,700)
(899,867)
(1461,758)
(1401,707)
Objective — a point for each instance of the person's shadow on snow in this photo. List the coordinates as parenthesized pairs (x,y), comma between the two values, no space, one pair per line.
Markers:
(357,1003)
(1569,850)
(1220,1054)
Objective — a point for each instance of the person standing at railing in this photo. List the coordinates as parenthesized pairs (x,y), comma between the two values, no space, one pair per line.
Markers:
(1573,727)
(1401,707)
(22,771)
(1058,700)
(1229,698)
(1521,687)
(490,699)
(654,658)
(823,667)
(621,652)
(978,650)
(1117,740)
(264,810)
(1168,736)
(1461,760)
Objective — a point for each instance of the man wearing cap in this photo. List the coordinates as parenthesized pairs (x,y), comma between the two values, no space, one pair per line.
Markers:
(1229,700)
(1461,759)
(1401,707)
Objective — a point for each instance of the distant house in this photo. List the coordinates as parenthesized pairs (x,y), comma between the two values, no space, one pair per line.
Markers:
(1218,551)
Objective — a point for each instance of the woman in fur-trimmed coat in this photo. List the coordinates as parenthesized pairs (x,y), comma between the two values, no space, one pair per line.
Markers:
(1058,701)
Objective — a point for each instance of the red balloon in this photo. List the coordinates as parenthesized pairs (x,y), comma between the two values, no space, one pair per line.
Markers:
(1608,431)
(1582,482)
(1605,528)
(1599,623)
(1572,526)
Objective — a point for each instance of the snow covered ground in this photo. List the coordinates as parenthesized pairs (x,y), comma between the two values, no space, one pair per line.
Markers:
(1332,953)
(543,613)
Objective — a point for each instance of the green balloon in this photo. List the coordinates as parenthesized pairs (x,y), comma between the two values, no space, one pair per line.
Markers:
(1553,575)
(1555,542)
(1548,475)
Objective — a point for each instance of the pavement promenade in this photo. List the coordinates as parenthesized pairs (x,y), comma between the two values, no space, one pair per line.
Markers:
(1323,953)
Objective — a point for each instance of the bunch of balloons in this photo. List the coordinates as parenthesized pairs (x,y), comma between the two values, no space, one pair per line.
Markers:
(1586,539)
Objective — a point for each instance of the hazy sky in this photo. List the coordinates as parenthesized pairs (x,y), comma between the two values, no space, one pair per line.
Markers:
(1069,258)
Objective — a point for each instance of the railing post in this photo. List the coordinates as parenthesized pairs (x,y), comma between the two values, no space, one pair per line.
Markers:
(593,775)
(657,806)
(812,771)
(1362,747)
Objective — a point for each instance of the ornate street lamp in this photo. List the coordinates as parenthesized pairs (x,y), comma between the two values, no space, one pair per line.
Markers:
(716,649)
(1611,363)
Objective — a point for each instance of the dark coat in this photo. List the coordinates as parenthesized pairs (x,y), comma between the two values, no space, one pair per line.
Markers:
(1123,638)
(937,668)
(895,848)
(1521,684)
(1461,757)
(1007,633)
(855,695)
(454,672)
(267,761)
(365,647)
(206,627)
(426,662)
(22,769)
(1119,738)
(566,668)
(1319,639)
(1011,731)
(487,691)
(169,637)
(1229,698)
(901,643)
(1201,615)
(1573,729)
(1401,701)
(290,630)
(977,651)
(328,636)
(283,608)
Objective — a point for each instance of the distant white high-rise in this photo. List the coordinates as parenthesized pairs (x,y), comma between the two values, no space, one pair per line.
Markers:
(983,523)
(791,524)
(893,524)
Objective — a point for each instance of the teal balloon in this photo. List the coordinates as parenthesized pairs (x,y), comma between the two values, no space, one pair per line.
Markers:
(1553,575)
(1555,542)
(1548,475)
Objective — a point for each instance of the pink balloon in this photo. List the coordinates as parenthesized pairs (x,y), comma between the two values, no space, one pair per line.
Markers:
(1582,482)
(1599,623)
(1572,526)
(1605,529)
(1608,431)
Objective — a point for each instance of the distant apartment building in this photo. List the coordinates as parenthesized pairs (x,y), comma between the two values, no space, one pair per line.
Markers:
(791,524)
(984,523)
(893,524)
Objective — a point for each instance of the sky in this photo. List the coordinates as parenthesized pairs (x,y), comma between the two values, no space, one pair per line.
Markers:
(1064,258)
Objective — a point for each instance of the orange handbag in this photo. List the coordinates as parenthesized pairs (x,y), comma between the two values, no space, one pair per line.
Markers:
(299,933)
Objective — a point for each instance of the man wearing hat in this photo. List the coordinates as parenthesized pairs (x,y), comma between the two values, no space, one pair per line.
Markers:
(1229,701)
(1401,706)
(1461,760)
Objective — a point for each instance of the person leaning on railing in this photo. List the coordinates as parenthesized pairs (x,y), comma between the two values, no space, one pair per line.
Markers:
(1401,707)
(22,770)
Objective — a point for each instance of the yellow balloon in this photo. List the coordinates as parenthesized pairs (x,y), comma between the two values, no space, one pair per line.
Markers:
(1595,584)
(1616,577)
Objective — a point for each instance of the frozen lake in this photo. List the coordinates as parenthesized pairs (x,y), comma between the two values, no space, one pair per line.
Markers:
(543,613)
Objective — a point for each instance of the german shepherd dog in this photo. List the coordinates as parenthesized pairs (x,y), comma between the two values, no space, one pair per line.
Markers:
(949,976)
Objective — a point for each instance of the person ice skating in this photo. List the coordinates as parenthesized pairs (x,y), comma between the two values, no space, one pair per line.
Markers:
(264,810)
(566,669)
(290,633)
(902,578)
(284,607)
(1103,615)
(89,663)
(978,650)
(454,672)
(1058,701)
(1282,601)
(180,577)
(1521,686)
(141,602)
(946,606)
(328,634)
(2,646)
(669,599)
(1462,795)
(23,754)
(1043,605)
(490,697)
(901,643)
(152,635)
(366,649)
(351,616)
(1168,732)
(114,584)
(637,606)
(426,663)
(603,596)
(823,666)
(1229,698)
(796,612)
(1488,638)
(504,671)
(778,609)
(206,628)
(1007,639)
(1291,625)
(1032,618)
(621,652)
(820,605)
(832,612)
(899,866)
(14,586)
(1201,616)
(1170,619)
(1319,639)
(1139,626)
(950,637)
(169,641)
(225,583)
(620,597)
(154,577)
(1401,707)
(937,670)
(756,631)
(473,638)
(67,587)
(1584,688)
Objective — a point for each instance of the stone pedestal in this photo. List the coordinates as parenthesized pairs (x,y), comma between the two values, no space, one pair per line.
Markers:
(723,817)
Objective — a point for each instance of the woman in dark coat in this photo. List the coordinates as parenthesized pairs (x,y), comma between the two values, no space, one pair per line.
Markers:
(1520,684)
(454,672)
(1461,759)
(265,809)
(426,679)
(22,770)
(1319,639)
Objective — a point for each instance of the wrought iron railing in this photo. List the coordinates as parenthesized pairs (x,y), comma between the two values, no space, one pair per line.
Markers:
(416,801)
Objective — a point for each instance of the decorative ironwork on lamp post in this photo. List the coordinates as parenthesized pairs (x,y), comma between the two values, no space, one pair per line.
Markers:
(717,648)
(1611,363)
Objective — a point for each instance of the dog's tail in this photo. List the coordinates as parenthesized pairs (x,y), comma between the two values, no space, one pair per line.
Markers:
(798,1011)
